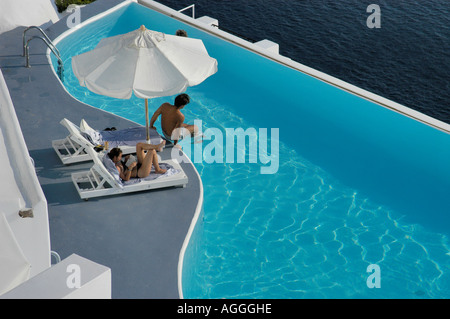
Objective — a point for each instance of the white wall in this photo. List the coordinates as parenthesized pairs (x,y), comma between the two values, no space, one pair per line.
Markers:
(32,234)
(14,13)
(73,278)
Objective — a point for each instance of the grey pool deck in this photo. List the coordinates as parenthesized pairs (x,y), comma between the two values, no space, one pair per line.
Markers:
(139,235)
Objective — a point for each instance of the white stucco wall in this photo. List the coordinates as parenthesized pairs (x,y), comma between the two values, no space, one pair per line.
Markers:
(20,189)
(14,13)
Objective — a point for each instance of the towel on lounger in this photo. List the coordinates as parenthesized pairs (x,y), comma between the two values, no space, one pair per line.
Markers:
(111,168)
(130,137)
(125,137)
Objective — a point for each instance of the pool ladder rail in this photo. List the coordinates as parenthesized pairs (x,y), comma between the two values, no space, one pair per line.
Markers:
(49,44)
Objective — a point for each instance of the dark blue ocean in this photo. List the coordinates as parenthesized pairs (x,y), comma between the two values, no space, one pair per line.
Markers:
(406,60)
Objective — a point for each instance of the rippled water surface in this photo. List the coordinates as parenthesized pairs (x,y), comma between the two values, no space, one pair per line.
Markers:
(301,233)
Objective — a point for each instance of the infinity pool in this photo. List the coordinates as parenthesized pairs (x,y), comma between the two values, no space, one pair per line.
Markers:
(357,184)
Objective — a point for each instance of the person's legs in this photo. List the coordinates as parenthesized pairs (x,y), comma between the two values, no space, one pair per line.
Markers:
(149,159)
(193,129)
(142,147)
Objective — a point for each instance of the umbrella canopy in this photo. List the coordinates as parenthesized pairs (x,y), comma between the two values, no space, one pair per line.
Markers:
(144,62)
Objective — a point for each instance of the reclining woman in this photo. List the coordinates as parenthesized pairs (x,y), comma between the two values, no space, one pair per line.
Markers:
(146,157)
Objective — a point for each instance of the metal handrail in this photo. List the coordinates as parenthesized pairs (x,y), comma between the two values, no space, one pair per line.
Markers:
(52,48)
(56,255)
(43,33)
(189,7)
(49,44)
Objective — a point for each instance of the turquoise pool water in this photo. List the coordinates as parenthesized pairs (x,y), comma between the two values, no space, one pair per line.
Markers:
(357,184)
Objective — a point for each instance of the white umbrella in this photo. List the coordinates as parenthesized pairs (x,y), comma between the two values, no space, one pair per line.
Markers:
(144,62)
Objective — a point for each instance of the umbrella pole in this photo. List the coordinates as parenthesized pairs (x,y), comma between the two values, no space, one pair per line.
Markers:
(146,121)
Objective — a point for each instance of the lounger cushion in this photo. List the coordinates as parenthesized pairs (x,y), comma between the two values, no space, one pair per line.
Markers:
(124,137)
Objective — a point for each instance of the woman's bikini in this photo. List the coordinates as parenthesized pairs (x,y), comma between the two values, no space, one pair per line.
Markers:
(138,166)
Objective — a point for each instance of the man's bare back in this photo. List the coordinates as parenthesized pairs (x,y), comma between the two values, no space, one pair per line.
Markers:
(171,117)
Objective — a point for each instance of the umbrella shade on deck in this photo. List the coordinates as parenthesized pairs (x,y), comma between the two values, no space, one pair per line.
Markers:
(144,62)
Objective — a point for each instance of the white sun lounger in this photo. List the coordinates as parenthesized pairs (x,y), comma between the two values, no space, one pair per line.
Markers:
(99,181)
(71,150)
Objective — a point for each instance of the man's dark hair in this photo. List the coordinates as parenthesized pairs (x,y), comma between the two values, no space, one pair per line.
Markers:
(181,33)
(181,100)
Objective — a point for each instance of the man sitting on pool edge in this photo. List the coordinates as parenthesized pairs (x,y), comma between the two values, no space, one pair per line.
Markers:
(172,120)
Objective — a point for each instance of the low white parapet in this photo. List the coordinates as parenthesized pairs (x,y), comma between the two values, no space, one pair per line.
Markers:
(209,21)
(73,278)
(20,189)
(269,46)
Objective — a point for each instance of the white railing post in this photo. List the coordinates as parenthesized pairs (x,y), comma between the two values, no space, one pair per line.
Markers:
(189,7)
